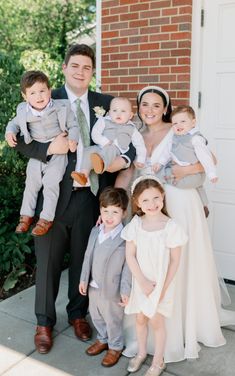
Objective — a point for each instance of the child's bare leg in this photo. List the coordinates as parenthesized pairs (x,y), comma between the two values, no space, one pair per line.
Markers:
(124,177)
(158,325)
(142,333)
(118,164)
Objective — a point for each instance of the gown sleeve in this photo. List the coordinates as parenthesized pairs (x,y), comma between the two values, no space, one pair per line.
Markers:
(129,232)
(176,236)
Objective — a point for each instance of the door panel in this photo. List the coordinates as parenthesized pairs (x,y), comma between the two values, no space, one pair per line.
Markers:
(217,123)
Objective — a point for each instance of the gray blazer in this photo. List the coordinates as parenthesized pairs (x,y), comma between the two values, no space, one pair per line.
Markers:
(63,119)
(116,276)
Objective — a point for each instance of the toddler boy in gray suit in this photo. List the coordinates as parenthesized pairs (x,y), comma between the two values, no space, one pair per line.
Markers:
(106,274)
(41,118)
(112,135)
(188,146)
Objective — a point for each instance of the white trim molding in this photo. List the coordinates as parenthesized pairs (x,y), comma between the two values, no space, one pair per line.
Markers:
(98,44)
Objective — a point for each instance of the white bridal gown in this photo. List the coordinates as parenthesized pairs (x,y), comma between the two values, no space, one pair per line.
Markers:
(197,315)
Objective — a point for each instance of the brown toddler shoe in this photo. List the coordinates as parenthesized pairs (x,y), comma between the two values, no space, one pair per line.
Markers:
(111,358)
(96,348)
(79,177)
(42,227)
(24,224)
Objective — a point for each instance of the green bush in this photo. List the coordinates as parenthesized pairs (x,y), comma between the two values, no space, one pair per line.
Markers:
(34,34)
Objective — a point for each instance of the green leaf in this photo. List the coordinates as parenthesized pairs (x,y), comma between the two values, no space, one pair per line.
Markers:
(13,278)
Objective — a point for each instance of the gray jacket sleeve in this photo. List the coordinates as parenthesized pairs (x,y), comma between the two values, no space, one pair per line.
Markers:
(13,126)
(87,262)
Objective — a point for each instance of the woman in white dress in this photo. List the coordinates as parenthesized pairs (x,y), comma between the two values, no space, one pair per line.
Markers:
(197,313)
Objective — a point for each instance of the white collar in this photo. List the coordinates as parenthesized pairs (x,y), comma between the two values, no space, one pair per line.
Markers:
(194,130)
(36,112)
(73,97)
(111,234)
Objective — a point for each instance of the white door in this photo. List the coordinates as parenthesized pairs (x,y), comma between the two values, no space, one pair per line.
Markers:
(217,123)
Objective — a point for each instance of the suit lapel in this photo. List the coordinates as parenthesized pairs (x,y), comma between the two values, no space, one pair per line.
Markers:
(61,113)
(116,242)
(91,106)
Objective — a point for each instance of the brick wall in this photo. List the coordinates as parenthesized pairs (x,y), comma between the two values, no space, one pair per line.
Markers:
(146,43)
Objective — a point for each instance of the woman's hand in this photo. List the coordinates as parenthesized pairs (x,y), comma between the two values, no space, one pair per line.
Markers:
(179,172)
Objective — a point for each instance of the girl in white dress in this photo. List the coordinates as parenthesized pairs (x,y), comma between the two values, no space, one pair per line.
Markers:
(197,314)
(153,246)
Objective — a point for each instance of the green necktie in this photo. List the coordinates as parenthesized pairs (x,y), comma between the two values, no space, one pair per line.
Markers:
(85,135)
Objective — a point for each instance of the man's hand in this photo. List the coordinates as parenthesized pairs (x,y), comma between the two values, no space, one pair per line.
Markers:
(11,139)
(59,145)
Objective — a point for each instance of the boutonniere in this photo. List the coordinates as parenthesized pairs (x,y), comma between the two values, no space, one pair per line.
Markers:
(99,111)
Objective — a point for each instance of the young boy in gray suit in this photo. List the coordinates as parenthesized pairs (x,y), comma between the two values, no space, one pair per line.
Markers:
(41,118)
(106,273)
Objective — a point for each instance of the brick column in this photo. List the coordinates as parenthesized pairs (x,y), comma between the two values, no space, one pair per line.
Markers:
(146,43)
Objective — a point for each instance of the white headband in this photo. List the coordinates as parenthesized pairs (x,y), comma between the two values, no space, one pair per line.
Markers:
(156,88)
(144,177)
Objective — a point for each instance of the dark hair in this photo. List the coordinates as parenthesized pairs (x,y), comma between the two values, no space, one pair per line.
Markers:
(140,188)
(188,109)
(30,77)
(166,118)
(114,196)
(80,49)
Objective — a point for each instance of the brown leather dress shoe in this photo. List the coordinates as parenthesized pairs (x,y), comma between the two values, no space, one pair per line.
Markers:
(24,224)
(96,348)
(97,163)
(82,329)
(111,358)
(79,177)
(43,339)
(42,227)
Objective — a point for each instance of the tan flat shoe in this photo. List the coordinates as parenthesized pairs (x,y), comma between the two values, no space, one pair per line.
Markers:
(156,370)
(136,363)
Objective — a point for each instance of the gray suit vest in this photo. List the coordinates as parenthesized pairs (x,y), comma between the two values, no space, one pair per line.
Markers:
(122,133)
(183,149)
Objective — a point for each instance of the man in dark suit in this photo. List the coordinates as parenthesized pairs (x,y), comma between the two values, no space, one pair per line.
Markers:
(77,208)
